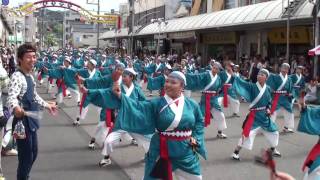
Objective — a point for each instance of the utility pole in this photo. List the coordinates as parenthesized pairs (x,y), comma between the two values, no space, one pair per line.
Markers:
(98,25)
(288,33)
(132,33)
(42,30)
(316,37)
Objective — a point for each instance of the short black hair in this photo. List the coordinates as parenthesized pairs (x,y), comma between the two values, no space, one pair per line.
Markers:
(25,48)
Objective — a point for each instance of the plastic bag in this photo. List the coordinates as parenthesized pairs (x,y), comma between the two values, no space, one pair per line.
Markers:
(19,131)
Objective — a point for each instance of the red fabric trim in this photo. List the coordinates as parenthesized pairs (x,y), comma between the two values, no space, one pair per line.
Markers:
(248,124)
(207,110)
(39,76)
(84,95)
(109,122)
(50,80)
(225,95)
(164,154)
(60,83)
(275,102)
(162,92)
(313,154)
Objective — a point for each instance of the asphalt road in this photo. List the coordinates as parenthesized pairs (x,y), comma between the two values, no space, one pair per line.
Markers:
(63,152)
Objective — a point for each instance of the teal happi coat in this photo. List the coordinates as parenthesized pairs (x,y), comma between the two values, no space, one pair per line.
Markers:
(224,78)
(78,63)
(310,121)
(68,75)
(156,83)
(154,68)
(274,81)
(310,124)
(103,82)
(145,118)
(104,98)
(298,84)
(201,82)
(250,91)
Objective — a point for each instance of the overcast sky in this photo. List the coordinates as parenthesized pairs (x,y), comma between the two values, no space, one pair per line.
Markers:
(106,5)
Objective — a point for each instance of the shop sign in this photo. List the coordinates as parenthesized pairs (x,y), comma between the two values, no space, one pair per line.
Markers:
(161,36)
(219,38)
(182,35)
(298,35)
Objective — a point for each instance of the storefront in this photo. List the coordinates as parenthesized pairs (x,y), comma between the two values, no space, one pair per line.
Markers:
(182,42)
(218,45)
(300,41)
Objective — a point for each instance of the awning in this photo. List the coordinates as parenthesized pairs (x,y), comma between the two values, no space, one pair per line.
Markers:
(314,51)
(265,12)
(121,33)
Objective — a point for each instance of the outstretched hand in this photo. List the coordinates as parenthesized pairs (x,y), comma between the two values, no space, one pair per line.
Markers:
(116,89)
(79,79)
(52,108)
(83,89)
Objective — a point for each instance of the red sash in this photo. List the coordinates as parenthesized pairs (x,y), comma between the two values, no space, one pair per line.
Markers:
(207,116)
(39,76)
(84,95)
(249,122)
(225,94)
(164,154)
(50,80)
(276,97)
(313,154)
(162,92)
(60,83)
(109,122)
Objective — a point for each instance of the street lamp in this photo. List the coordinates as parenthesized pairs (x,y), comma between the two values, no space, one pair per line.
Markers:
(316,35)
(159,21)
(98,23)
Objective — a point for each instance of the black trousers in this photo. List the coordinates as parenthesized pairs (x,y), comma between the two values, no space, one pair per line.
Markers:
(27,154)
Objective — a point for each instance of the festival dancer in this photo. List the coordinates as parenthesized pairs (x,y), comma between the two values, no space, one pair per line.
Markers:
(157,83)
(66,80)
(210,84)
(90,73)
(310,124)
(258,120)
(114,137)
(282,88)
(178,125)
(298,82)
(228,94)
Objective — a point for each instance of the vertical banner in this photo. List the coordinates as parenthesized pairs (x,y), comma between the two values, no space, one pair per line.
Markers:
(119,23)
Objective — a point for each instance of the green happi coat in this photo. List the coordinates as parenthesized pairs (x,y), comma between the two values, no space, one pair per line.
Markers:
(145,117)
(310,124)
(156,83)
(103,98)
(298,83)
(250,91)
(68,76)
(226,80)
(203,81)
(310,121)
(78,63)
(275,81)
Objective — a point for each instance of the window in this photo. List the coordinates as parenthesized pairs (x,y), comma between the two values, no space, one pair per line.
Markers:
(87,36)
(229,4)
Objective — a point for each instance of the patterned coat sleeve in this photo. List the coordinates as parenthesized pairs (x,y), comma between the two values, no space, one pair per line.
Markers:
(14,89)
